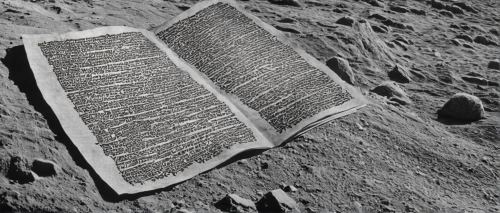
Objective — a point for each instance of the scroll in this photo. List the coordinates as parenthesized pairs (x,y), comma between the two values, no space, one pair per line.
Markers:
(151,109)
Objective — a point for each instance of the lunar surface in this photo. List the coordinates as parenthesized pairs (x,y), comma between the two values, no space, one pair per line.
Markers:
(428,141)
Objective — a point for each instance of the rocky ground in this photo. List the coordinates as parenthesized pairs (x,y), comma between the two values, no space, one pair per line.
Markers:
(409,57)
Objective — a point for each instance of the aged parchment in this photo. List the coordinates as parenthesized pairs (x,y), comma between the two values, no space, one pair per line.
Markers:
(86,115)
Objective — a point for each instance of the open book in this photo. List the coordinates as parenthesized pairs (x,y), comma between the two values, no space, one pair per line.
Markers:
(151,109)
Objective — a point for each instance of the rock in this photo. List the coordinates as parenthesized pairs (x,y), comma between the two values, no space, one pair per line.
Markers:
(276,201)
(399,9)
(455,9)
(374,3)
(181,210)
(179,203)
(290,188)
(468,46)
(494,31)
(235,203)
(418,12)
(446,13)
(379,29)
(456,42)
(357,207)
(464,107)
(483,40)
(465,7)
(494,65)
(392,91)
(377,16)
(395,24)
(438,5)
(44,168)
(454,26)
(346,20)
(464,37)
(399,74)
(19,170)
(475,80)
(342,68)
(293,3)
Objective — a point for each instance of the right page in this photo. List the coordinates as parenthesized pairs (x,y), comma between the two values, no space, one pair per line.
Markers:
(283,90)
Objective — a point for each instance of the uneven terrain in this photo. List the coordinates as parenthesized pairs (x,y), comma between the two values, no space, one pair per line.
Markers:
(390,156)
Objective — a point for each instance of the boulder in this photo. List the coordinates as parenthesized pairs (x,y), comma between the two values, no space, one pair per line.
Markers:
(346,20)
(235,203)
(494,65)
(399,74)
(463,106)
(19,170)
(481,40)
(342,68)
(276,201)
(44,168)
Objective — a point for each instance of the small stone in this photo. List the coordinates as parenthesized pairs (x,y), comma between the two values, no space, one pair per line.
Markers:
(276,201)
(44,168)
(290,188)
(235,203)
(346,20)
(393,92)
(342,68)
(494,65)
(464,107)
(399,74)
(179,203)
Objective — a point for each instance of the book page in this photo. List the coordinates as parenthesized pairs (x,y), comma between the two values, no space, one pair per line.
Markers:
(134,110)
(280,87)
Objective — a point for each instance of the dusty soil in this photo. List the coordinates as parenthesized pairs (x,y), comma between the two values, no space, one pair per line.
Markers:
(386,157)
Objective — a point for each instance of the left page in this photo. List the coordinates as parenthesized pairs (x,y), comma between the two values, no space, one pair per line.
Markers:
(134,110)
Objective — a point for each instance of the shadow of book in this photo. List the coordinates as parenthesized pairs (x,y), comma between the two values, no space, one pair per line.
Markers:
(21,74)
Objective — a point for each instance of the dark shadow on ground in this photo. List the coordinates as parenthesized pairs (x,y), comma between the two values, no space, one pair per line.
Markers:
(21,74)
(446,120)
